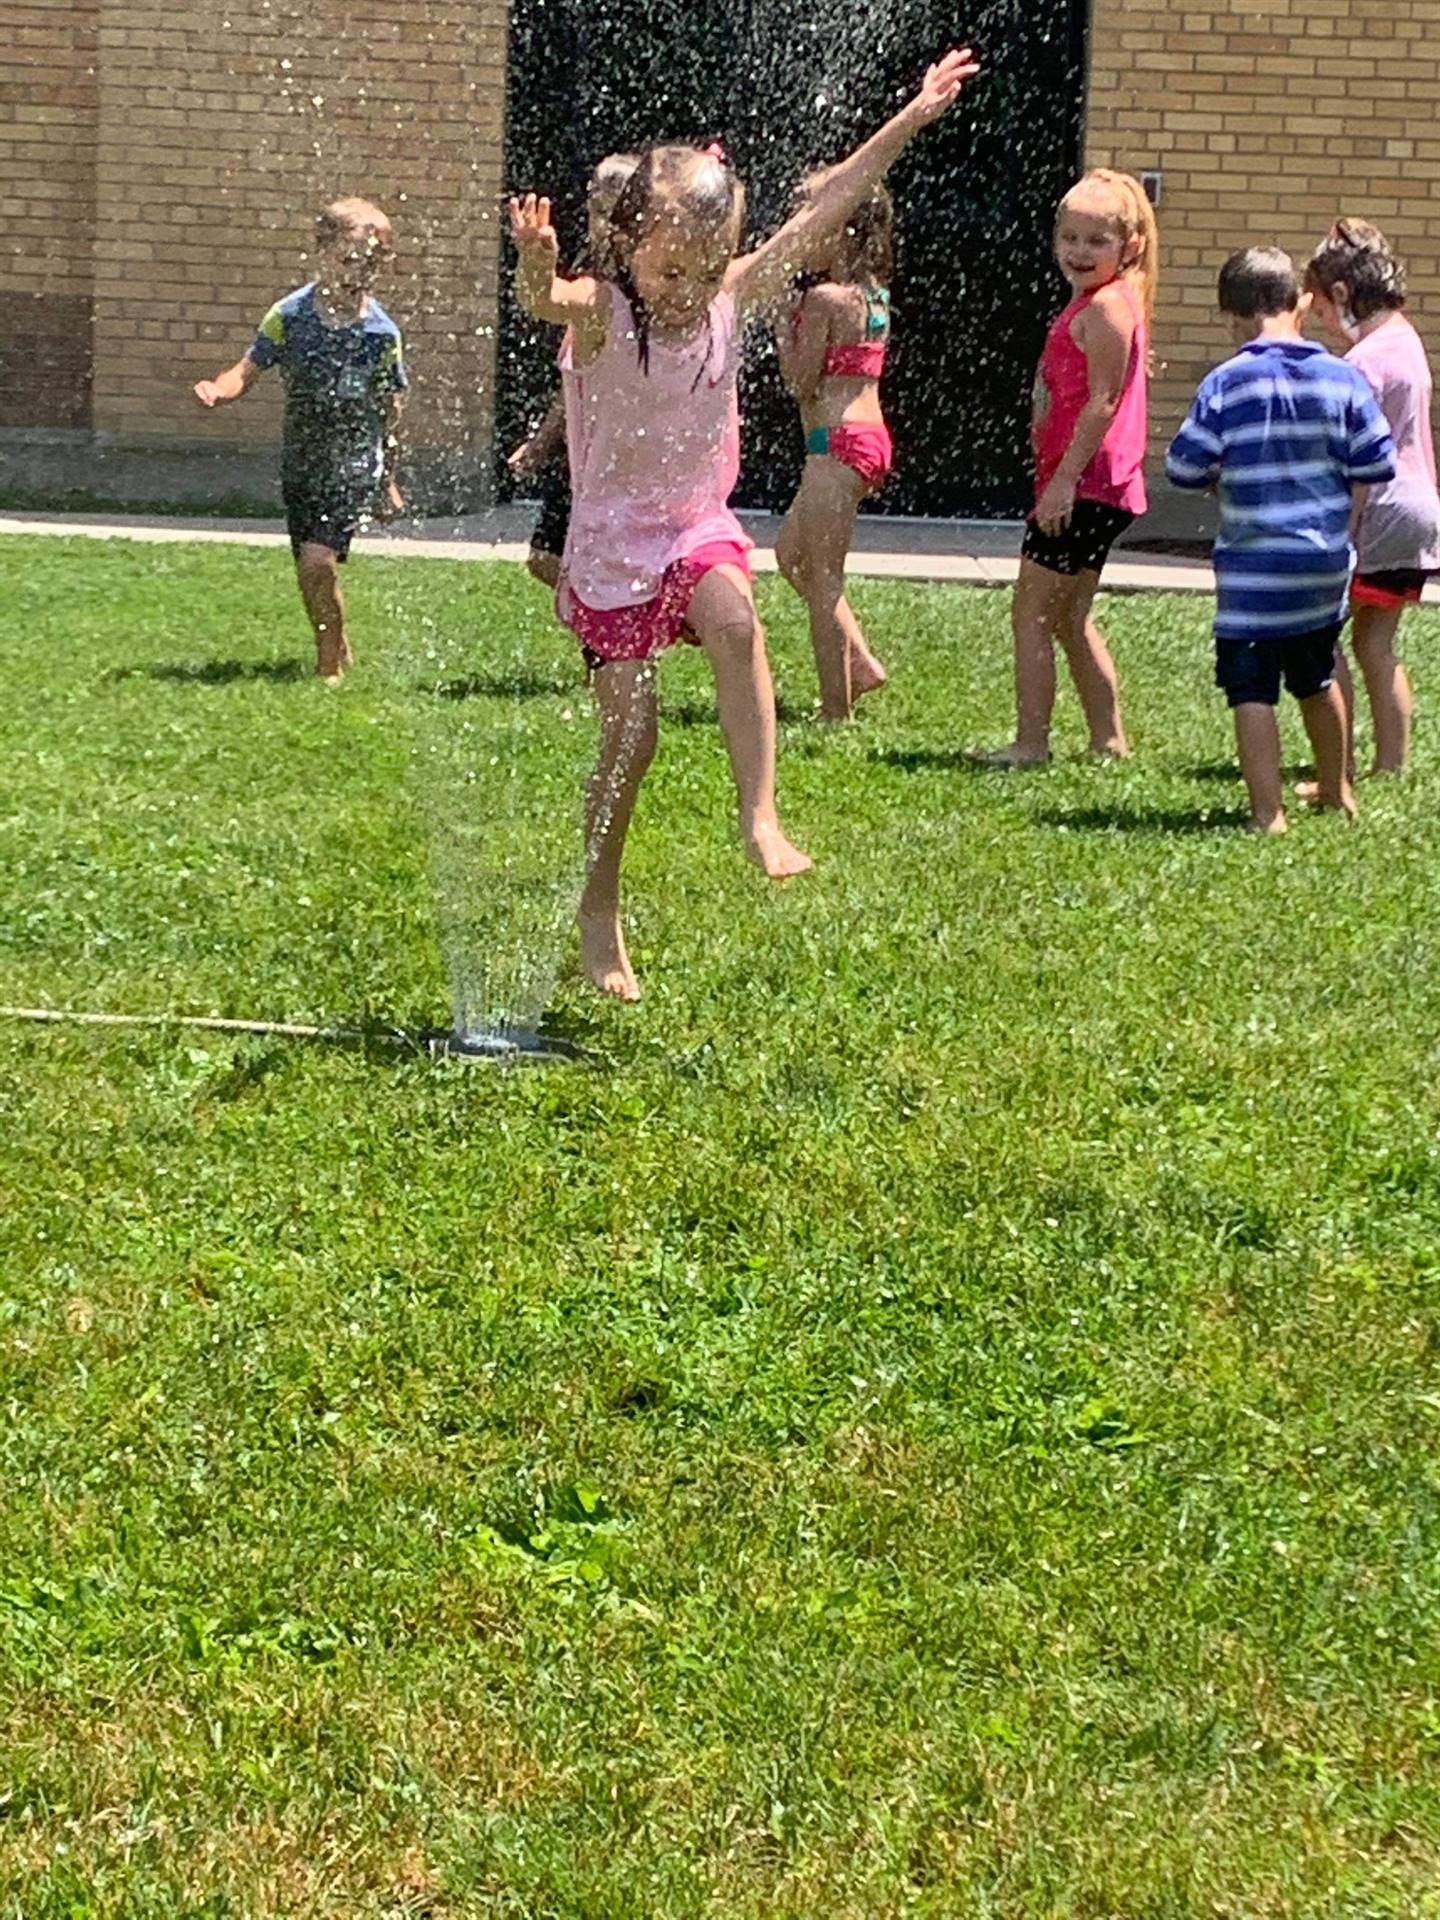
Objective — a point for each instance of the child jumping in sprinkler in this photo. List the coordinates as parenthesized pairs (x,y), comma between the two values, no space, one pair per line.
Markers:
(1357,286)
(1291,437)
(653,427)
(544,457)
(341,358)
(1090,431)
(832,353)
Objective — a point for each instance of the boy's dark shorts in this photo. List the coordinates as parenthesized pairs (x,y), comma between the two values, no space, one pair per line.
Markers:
(1249,671)
(323,523)
(1082,547)
(553,525)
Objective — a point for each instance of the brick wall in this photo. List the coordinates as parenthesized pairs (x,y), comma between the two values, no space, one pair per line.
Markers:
(47,211)
(195,146)
(1268,118)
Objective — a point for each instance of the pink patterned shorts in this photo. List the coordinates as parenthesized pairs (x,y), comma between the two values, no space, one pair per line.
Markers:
(607,634)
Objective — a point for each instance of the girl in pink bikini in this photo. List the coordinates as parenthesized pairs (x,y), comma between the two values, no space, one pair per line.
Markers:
(832,353)
(1090,431)
(653,424)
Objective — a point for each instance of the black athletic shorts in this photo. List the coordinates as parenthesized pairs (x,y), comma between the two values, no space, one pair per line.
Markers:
(333,522)
(1082,547)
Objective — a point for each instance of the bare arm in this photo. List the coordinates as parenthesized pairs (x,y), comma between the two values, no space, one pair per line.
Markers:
(800,340)
(757,278)
(1106,334)
(543,291)
(229,385)
(1359,496)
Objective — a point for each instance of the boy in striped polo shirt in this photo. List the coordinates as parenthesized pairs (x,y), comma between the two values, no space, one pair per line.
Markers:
(1291,437)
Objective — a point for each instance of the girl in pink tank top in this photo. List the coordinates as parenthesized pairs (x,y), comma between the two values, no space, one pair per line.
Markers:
(653,426)
(1091,426)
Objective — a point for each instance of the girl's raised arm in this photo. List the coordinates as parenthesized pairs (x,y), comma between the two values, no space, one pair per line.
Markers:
(543,290)
(757,278)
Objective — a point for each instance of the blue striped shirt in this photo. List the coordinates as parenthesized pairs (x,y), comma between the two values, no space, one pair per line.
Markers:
(1284,430)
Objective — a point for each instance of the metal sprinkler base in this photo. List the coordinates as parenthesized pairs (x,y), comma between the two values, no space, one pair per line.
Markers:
(500,1044)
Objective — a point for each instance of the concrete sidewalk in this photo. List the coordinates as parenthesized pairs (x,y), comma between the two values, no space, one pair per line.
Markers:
(966,552)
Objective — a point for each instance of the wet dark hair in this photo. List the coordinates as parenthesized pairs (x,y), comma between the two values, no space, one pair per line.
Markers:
(1358,257)
(1259,280)
(698,186)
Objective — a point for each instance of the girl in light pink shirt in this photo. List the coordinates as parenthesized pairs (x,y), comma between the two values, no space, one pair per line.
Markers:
(1357,286)
(1090,429)
(653,425)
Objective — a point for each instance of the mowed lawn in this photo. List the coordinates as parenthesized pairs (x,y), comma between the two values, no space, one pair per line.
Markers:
(939,1419)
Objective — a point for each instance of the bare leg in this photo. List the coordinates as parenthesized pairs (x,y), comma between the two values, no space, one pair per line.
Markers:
(812,549)
(1257,734)
(317,569)
(722,618)
(544,567)
(1093,671)
(1324,717)
(1387,683)
(625,696)
(1041,603)
(1345,681)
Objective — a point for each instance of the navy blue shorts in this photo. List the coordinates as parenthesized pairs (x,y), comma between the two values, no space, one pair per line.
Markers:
(311,520)
(1250,671)
(1082,547)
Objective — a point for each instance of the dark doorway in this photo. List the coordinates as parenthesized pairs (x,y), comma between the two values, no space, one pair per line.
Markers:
(792,84)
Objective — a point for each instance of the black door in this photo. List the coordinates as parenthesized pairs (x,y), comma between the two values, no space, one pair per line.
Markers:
(793,84)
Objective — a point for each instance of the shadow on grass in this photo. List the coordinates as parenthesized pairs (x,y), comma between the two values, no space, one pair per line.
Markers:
(943,760)
(1227,772)
(216,673)
(519,685)
(698,713)
(1152,820)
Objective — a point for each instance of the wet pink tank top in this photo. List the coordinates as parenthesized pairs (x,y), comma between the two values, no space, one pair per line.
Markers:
(654,455)
(1116,475)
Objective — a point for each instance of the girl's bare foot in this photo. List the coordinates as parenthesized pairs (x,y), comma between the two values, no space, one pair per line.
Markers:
(866,674)
(1309,791)
(1279,824)
(332,657)
(603,955)
(1013,756)
(774,854)
(1112,750)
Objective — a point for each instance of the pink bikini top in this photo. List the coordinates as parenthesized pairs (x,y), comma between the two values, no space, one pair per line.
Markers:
(864,360)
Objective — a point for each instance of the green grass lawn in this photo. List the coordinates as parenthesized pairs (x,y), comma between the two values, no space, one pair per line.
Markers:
(940,1421)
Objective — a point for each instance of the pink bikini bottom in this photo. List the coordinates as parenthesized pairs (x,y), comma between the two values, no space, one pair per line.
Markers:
(867,451)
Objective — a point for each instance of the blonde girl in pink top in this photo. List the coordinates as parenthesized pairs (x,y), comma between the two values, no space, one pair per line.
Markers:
(652,418)
(1090,431)
(1357,288)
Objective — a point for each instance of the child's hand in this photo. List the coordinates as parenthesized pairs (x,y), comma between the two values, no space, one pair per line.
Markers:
(943,82)
(524,462)
(531,229)
(1055,506)
(208,393)
(391,504)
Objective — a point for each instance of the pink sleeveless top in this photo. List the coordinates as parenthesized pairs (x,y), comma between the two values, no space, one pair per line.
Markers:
(654,455)
(1116,475)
